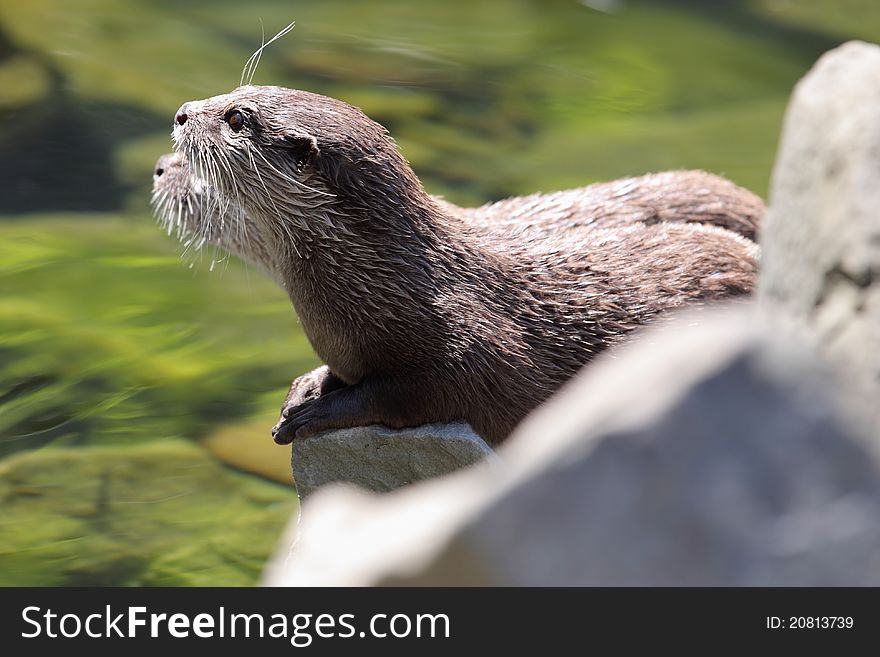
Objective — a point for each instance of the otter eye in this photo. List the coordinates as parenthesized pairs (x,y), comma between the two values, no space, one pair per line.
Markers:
(235,119)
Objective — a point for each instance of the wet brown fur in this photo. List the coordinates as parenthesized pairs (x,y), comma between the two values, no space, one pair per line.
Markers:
(425,312)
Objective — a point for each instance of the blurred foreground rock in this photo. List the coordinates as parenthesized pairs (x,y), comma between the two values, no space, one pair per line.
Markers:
(821,238)
(381,459)
(730,447)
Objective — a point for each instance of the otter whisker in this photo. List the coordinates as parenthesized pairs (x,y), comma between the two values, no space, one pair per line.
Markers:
(210,202)
(271,199)
(241,233)
(244,72)
(250,67)
(223,207)
(177,220)
(293,180)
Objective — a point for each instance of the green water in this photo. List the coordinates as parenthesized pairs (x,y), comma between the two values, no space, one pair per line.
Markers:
(122,365)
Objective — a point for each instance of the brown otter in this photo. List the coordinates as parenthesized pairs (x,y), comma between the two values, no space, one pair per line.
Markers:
(424,313)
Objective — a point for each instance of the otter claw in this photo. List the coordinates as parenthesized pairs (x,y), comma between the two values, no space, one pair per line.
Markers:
(282,433)
(294,418)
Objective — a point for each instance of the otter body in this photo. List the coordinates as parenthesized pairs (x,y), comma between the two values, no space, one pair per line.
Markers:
(426,312)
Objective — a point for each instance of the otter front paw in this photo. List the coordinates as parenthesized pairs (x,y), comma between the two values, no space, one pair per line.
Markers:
(283,432)
(304,390)
(301,421)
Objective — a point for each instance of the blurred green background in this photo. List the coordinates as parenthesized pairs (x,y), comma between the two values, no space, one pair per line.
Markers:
(137,388)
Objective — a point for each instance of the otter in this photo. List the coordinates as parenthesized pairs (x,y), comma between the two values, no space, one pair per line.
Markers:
(425,312)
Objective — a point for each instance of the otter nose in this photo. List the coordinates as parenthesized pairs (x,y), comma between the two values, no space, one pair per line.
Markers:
(180,117)
(163,164)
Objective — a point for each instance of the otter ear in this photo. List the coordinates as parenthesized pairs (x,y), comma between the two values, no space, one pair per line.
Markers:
(303,148)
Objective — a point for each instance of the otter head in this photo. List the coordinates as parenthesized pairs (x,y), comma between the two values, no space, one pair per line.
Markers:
(298,162)
(179,200)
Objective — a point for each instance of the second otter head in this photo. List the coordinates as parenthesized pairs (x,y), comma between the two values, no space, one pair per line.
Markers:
(181,203)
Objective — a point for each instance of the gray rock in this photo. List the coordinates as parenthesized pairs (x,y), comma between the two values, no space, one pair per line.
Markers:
(382,459)
(701,455)
(821,238)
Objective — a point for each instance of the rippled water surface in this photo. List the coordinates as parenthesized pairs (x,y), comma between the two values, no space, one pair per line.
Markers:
(137,387)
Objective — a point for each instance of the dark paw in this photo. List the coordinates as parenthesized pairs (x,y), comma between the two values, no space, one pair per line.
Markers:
(300,421)
(284,430)
(304,391)
(283,433)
